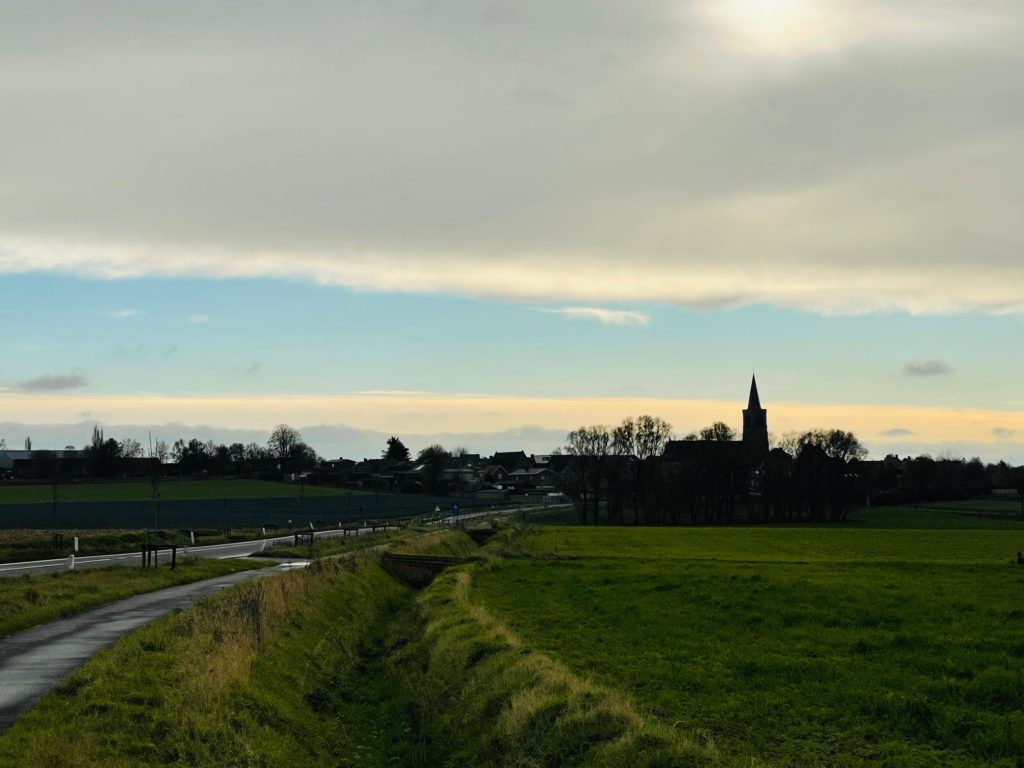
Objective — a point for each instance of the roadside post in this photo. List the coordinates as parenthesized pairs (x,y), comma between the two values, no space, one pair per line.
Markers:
(71,566)
(76,545)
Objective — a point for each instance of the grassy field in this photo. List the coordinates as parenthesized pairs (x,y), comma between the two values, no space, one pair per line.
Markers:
(29,600)
(939,516)
(868,644)
(799,647)
(170,490)
(791,544)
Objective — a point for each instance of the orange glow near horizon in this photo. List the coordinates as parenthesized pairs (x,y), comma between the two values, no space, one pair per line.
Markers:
(425,413)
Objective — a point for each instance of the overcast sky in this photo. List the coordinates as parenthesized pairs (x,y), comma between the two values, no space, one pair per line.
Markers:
(529,201)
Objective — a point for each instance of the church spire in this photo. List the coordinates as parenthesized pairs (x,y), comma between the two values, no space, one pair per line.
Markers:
(755,402)
(755,423)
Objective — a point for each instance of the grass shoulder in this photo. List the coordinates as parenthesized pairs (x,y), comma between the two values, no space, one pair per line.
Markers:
(287,670)
(26,601)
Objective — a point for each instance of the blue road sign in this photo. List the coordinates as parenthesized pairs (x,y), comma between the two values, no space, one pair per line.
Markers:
(455,509)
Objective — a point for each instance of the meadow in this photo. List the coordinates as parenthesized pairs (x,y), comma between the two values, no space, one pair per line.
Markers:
(871,643)
(170,489)
(837,647)
(203,504)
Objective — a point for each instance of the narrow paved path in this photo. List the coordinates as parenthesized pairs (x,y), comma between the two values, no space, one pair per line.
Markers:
(34,661)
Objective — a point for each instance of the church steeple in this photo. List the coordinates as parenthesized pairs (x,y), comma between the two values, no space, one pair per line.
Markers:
(755,423)
(754,403)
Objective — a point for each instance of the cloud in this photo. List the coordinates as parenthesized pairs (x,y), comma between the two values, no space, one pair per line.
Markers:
(197,319)
(794,154)
(897,432)
(121,314)
(604,316)
(52,383)
(252,368)
(928,368)
(1002,433)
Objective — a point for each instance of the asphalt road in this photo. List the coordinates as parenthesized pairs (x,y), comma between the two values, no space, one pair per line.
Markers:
(35,660)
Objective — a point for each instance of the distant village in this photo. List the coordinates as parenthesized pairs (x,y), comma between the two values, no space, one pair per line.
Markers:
(634,472)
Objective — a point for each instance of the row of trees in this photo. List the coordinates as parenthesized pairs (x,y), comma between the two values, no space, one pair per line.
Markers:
(106,457)
(627,470)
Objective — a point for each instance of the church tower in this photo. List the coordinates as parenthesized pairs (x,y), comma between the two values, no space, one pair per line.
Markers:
(755,423)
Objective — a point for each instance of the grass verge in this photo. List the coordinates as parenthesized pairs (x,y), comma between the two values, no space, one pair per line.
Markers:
(26,601)
(497,702)
(335,545)
(284,671)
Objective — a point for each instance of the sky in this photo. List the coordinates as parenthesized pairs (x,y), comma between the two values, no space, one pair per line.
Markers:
(487,224)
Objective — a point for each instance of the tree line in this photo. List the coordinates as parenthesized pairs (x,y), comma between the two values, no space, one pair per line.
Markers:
(635,476)
(106,458)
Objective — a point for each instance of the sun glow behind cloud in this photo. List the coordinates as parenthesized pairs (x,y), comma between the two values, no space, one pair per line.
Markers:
(796,152)
(776,27)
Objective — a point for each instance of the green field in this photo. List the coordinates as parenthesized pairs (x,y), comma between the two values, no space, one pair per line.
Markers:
(939,515)
(799,647)
(873,643)
(170,490)
(794,545)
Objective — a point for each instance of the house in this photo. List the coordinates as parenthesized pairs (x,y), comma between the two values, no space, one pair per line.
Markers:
(510,460)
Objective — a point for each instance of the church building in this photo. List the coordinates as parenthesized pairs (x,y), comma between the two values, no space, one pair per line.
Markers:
(749,452)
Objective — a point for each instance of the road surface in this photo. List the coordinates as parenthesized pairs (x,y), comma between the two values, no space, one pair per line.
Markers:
(35,660)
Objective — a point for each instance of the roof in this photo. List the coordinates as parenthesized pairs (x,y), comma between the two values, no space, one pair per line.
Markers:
(688,450)
(508,459)
(754,403)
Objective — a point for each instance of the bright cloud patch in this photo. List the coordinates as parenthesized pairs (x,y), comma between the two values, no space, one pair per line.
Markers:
(605,316)
(834,155)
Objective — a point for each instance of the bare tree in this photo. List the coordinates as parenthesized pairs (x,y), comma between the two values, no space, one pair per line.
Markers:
(158,455)
(836,444)
(643,439)
(130,449)
(589,447)
(788,441)
(718,432)
(283,443)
